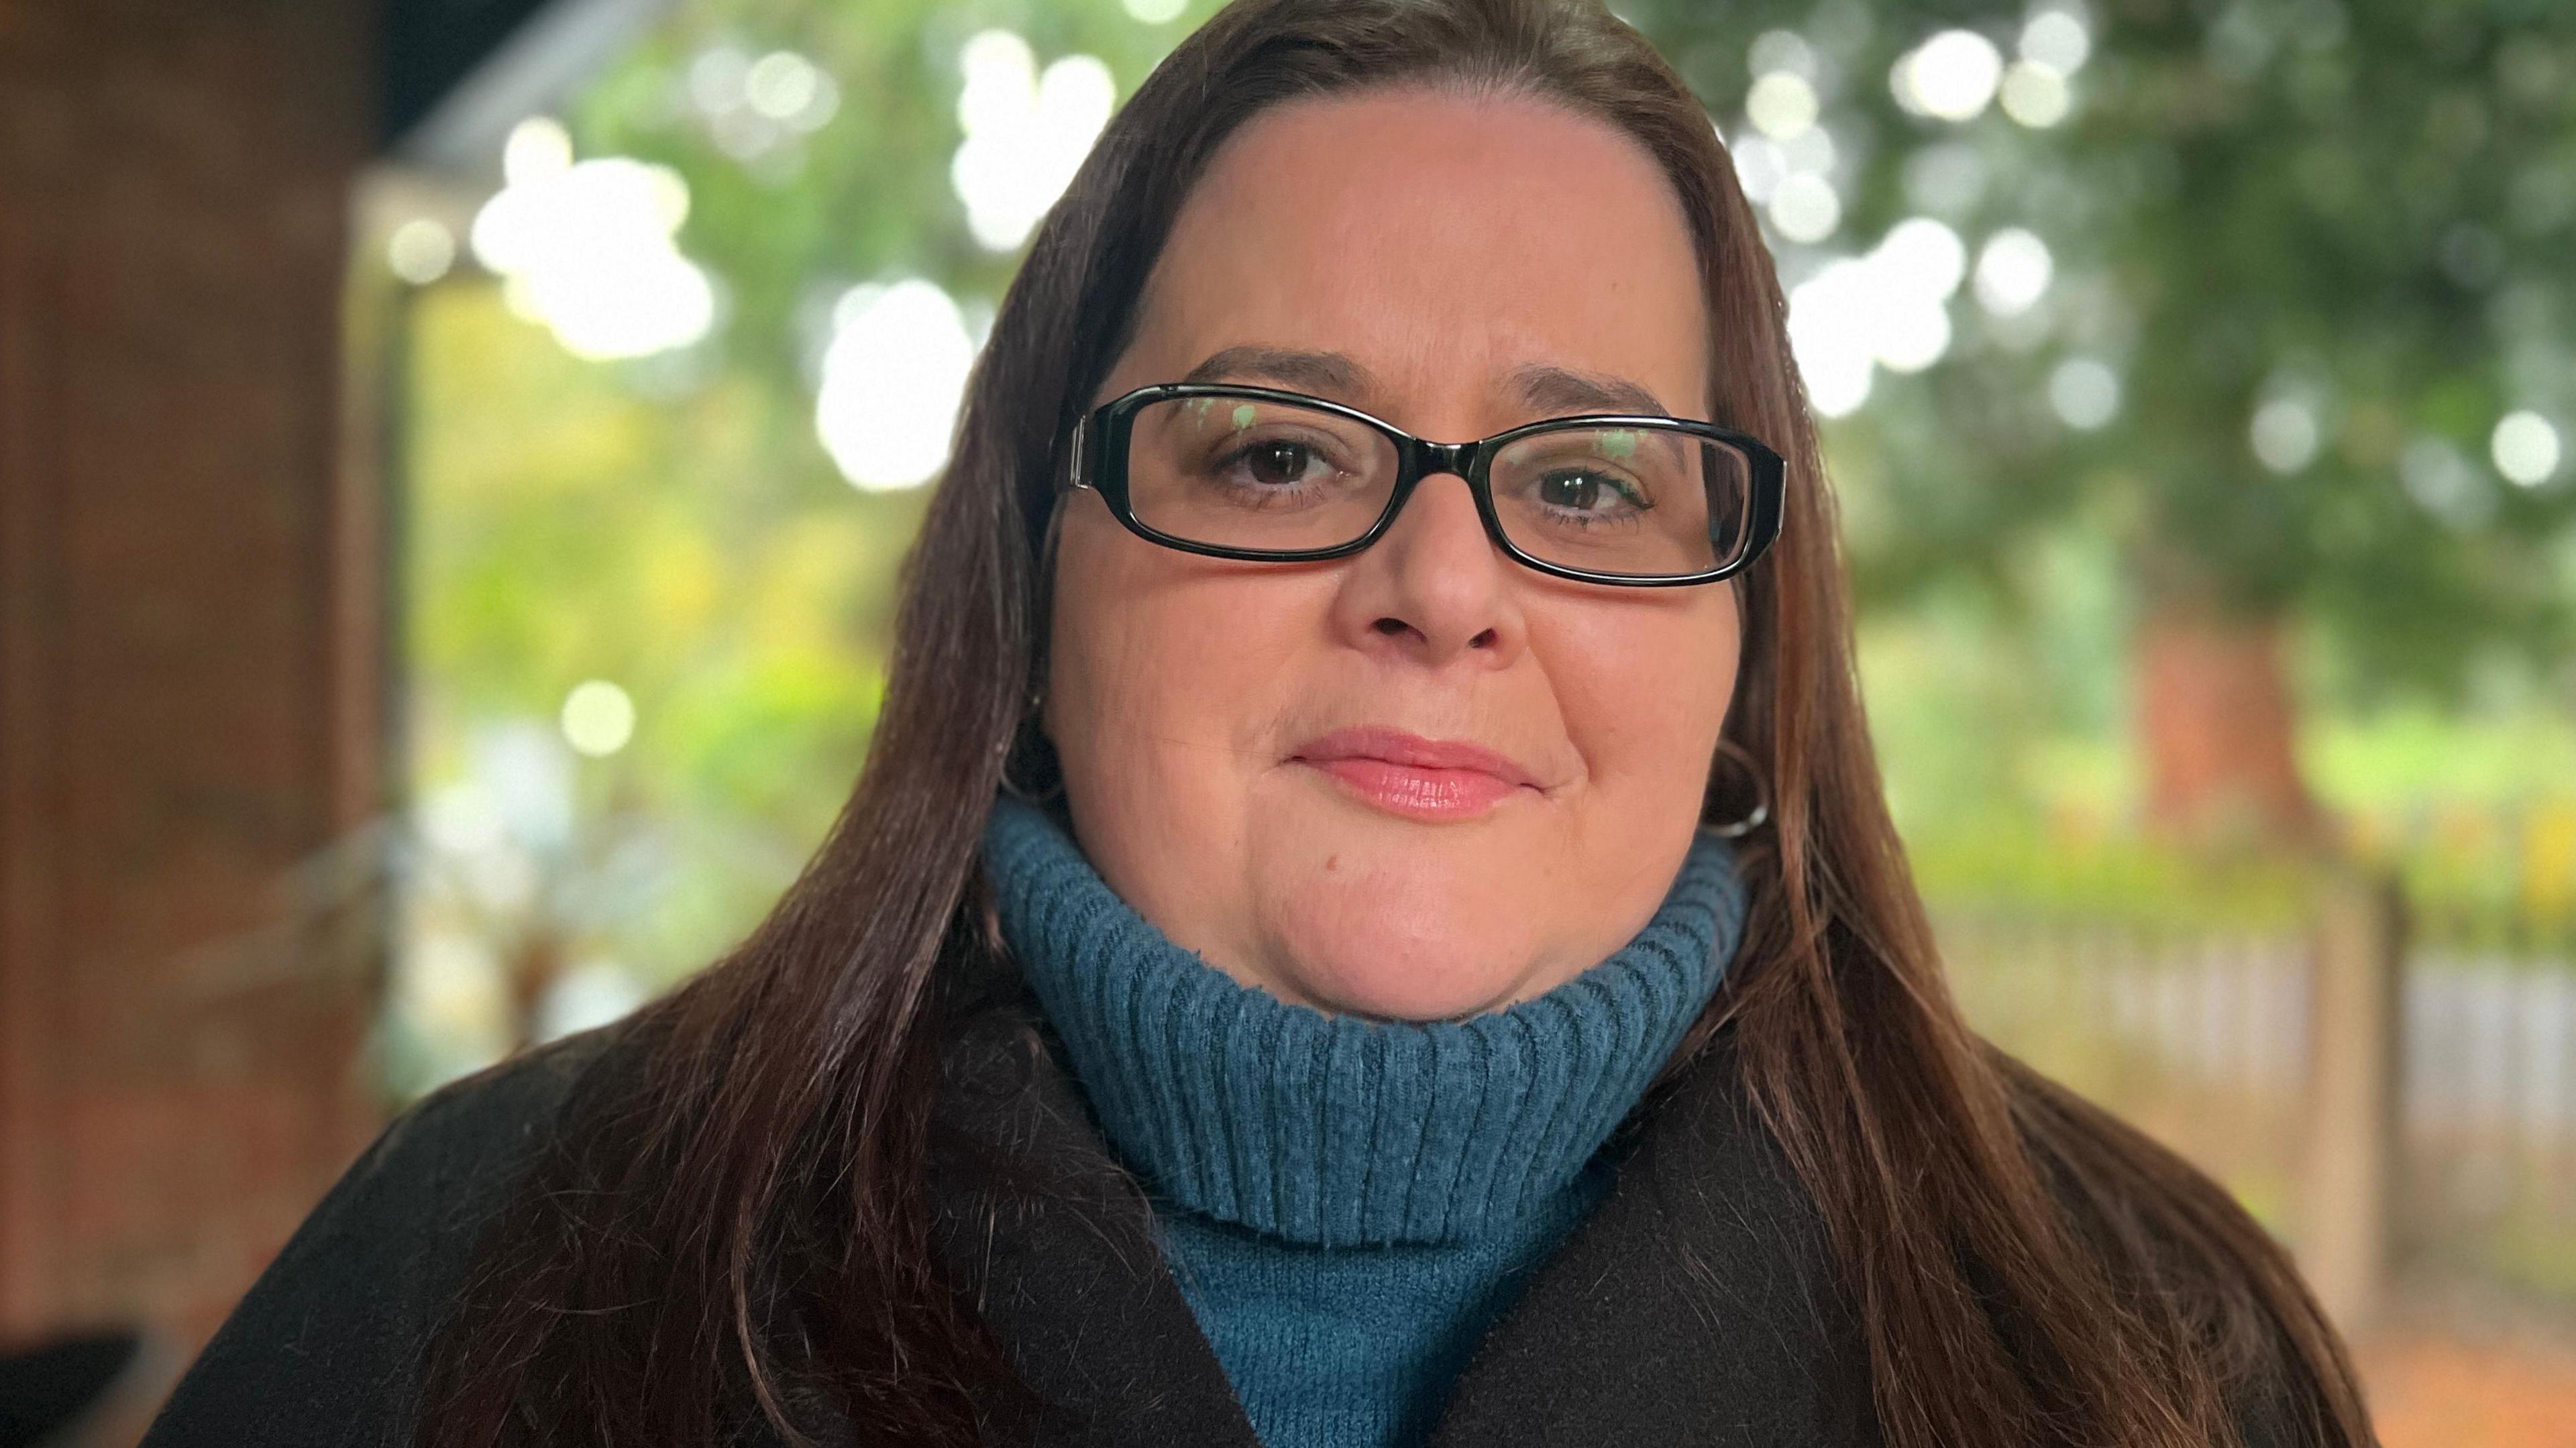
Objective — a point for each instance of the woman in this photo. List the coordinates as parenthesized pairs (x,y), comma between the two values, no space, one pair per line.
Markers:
(1343,939)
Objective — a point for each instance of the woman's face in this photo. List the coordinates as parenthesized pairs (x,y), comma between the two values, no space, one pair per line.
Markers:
(1456,267)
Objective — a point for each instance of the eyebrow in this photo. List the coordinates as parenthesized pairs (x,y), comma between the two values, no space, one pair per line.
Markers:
(1549,389)
(1553,389)
(1316,372)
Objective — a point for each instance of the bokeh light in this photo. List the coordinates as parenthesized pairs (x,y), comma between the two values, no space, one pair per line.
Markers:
(1781,104)
(1026,132)
(1782,50)
(782,85)
(2084,392)
(420,251)
(2057,38)
(536,149)
(893,377)
(2526,448)
(587,247)
(754,107)
(1760,166)
(598,718)
(2013,272)
(1951,76)
(2284,434)
(2438,476)
(2034,95)
(1804,207)
(1886,309)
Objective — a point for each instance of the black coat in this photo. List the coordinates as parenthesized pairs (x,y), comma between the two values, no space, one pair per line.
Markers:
(1694,1305)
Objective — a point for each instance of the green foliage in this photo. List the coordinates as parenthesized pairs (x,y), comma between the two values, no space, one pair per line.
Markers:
(574,529)
(2365,208)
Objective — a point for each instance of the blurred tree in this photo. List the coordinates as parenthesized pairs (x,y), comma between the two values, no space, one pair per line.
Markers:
(2278,294)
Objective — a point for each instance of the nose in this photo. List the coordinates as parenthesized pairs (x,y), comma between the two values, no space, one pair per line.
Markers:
(1434,587)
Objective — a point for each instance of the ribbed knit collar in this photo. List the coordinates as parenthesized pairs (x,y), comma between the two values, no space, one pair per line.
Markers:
(1330,1129)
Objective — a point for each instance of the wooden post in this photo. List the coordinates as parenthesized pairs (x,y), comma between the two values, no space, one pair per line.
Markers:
(2356,996)
(192,651)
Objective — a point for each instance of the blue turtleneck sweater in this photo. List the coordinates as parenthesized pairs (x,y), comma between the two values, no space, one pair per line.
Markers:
(1348,1204)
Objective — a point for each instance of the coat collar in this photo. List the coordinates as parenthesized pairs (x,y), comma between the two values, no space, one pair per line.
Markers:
(1696,1303)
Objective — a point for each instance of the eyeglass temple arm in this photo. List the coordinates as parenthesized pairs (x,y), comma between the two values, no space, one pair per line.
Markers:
(1076,472)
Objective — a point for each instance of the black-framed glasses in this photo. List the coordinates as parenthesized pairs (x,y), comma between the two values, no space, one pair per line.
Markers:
(1262,474)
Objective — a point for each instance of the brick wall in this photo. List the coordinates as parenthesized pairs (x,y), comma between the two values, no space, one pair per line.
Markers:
(191,652)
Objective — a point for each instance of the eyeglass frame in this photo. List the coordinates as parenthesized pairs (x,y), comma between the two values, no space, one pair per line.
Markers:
(1103,434)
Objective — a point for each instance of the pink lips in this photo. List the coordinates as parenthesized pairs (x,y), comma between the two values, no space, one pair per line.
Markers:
(1431,779)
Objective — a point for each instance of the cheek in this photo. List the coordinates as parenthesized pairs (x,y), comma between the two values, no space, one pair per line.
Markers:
(1155,651)
(1644,690)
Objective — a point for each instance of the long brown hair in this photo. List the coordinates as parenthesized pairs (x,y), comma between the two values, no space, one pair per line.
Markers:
(734,1220)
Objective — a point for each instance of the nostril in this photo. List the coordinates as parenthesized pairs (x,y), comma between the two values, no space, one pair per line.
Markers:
(1390,625)
(1485,640)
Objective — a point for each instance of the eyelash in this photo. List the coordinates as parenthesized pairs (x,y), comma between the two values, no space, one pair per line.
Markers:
(1626,489)
(1242,447)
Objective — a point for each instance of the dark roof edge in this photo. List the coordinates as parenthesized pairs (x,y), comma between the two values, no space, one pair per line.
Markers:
(460,73)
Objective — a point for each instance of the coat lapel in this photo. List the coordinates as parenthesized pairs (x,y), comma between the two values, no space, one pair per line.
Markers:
(1694,1305)
(1042,1230)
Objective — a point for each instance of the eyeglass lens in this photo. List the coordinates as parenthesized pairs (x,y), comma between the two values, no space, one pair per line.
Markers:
(1237,472)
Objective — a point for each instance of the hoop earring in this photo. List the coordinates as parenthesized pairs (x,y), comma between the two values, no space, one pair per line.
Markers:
(1761,811)
(1032,746)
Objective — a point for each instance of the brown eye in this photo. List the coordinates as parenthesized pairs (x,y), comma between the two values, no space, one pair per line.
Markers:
(1578,491)
(1277,462)
(1575,491)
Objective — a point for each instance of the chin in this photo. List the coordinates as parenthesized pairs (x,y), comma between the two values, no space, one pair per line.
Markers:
(1391,920)
(1407,973)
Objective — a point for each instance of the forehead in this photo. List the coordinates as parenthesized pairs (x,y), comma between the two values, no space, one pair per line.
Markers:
(1446,243)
